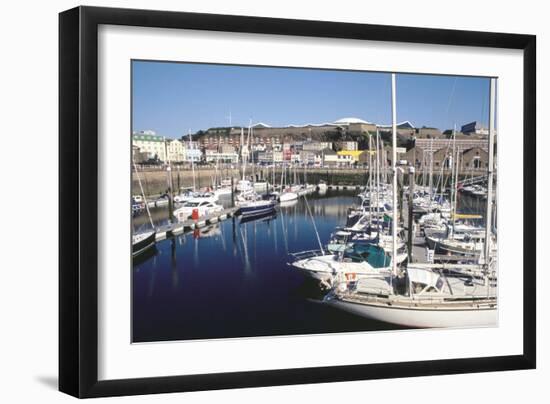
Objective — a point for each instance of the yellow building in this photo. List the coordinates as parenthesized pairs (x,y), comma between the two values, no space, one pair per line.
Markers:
(176,150)
(353,154)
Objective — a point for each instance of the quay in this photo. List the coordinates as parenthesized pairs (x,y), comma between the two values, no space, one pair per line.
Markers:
(155,201)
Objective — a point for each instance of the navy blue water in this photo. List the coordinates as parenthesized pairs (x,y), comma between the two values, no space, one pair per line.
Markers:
(233,279)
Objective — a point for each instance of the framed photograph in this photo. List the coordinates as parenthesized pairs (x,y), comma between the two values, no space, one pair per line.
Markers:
(251,201)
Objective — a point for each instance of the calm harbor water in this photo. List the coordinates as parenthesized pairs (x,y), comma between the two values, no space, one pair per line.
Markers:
(232,279)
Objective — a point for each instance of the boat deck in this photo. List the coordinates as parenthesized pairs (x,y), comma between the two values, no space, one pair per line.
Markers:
(424,303)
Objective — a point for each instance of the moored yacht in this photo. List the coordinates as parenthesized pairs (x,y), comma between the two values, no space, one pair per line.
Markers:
(429,295)
(356,261)
(250,203)
(141,242)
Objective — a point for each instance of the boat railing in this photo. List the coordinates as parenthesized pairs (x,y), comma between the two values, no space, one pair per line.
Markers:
(300,255)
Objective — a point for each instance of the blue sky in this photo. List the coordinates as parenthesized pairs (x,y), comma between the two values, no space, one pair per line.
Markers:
(171,98)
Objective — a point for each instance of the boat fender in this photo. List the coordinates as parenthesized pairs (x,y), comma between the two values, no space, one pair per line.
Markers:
(195,214)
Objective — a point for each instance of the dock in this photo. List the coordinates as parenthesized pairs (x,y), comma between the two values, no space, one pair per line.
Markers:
(346,187)
(173,229)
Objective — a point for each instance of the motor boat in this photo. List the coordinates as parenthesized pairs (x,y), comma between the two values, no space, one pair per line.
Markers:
(201,206)
(141,242)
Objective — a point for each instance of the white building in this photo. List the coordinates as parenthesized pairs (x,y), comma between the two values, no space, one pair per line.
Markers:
(213,156)
(193,155)
(349,145)
(338,160)
(278,156)
(151,146)
(316,146)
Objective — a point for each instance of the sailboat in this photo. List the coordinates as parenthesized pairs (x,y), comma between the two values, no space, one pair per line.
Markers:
(428,295)
(142,242)
(224,187)
(354,262)
(322,186)
(248,201)
(287,193)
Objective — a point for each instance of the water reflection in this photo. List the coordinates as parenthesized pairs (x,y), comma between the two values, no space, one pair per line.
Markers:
(232,279)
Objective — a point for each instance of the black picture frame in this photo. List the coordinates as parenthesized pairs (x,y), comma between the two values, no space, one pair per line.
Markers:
(78,195)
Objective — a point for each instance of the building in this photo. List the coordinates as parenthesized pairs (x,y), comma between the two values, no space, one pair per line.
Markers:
(316,146)
(448,133)
(470,159)
(264,134)
(348,146)
(363,158)
(361,128)
(335,159)
(354,155)
(175,150)
(295,157)
(265,158)
(278,155)
(213,156)
(193,155)
(307,157)
(474,158)
(460,143)
(416,157)
(443,158)
(474,128)
(136,154)
(151,146)
(404,129)
(227,149)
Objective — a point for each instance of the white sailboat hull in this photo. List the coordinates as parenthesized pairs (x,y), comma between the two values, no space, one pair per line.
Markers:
(223,191)
(326,268)
(422,317)
(288,196)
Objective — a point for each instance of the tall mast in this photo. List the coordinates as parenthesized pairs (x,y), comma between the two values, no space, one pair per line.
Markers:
(455,188)
(143,194)
(430,178)
(394,189)
(273,162)
(192,158)
(250,154)
(488,216)
(377,183)
(371,199)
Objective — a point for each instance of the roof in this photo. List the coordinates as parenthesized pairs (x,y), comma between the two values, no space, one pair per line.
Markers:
(261,125)
(149,138)
(348,120)
(474,148)
(400,125)
(310,125)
